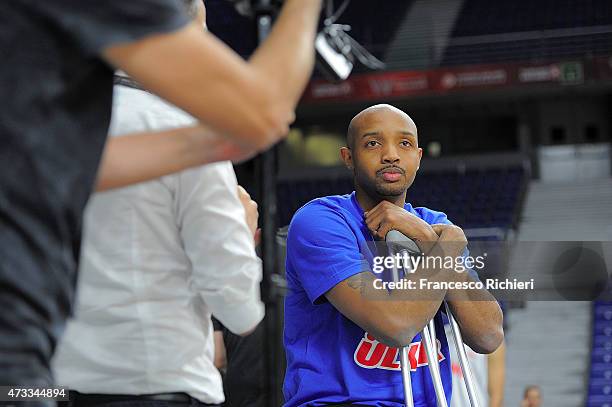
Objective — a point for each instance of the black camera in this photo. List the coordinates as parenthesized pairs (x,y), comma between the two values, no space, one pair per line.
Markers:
(337,52)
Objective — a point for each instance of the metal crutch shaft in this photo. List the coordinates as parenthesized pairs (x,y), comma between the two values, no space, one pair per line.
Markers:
(405,365)
(463,360)
(404,360)
(428,340)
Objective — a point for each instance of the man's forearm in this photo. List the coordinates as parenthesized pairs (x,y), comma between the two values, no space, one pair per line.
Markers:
(476,311)
(402,313)
(479,317)
(286,58)
(145,156)
(423,304)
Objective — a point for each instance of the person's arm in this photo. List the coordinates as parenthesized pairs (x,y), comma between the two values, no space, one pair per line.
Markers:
(324,255)
(220,358)
(252,102)
(496,376)
(140,157)
(220,361)
(480,320)
(395,317)
(216,239)
(477,313)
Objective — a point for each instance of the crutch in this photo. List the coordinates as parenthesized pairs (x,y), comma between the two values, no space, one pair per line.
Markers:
(468,377)
(428,339)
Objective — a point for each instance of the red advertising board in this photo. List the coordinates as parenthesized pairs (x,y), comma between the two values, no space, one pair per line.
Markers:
(376,86)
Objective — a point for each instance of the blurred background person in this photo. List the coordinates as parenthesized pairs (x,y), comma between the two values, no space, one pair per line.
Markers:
(496,376)
(532,396)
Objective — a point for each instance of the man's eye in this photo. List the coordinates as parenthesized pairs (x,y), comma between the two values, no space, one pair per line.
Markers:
(406,143)
(372,143)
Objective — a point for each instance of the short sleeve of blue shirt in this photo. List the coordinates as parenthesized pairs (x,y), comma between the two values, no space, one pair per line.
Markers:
(430,216)
(323,248)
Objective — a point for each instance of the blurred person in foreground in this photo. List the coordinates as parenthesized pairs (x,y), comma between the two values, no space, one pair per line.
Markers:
(532,397)
(341,333)
(158,258)
(58,59)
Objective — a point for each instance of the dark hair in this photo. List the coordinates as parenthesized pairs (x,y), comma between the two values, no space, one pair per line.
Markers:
(192,7)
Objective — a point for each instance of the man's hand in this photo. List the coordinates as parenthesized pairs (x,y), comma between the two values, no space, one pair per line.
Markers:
(251,213)
(386,216)
(451,237)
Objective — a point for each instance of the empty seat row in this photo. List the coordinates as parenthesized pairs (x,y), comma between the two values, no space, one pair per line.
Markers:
(492,201)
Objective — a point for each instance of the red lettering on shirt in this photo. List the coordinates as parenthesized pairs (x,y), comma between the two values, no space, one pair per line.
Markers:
(372,354)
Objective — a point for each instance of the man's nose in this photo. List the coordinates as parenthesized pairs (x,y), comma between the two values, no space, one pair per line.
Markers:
(390,155)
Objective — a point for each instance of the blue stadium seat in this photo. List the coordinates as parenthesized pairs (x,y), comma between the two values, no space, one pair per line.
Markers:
(477,198)
(482,17)
(600,380)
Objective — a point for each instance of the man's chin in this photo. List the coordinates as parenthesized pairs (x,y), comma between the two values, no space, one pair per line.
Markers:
(390,190)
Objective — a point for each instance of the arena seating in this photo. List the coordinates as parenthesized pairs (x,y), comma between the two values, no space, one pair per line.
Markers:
(473,199)
(589,21)
(481,17)
(528,50)
(478,33)
(600,383)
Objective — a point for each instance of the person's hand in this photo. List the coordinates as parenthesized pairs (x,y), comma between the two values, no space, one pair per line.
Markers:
(451,238)
(386,216)
(251,213)
(449,231)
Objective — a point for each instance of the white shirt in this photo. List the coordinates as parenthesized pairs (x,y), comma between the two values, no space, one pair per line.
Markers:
(157,259)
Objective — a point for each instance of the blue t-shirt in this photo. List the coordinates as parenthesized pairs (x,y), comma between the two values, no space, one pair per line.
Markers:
(330,359)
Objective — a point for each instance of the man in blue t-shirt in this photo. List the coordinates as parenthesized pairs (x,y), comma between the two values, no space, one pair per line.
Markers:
(341,340)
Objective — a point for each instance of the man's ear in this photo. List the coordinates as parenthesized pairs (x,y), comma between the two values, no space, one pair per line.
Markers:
(347,157)
(420,156)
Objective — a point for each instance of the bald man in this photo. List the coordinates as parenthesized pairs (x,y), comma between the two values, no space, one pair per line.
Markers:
(342,335)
